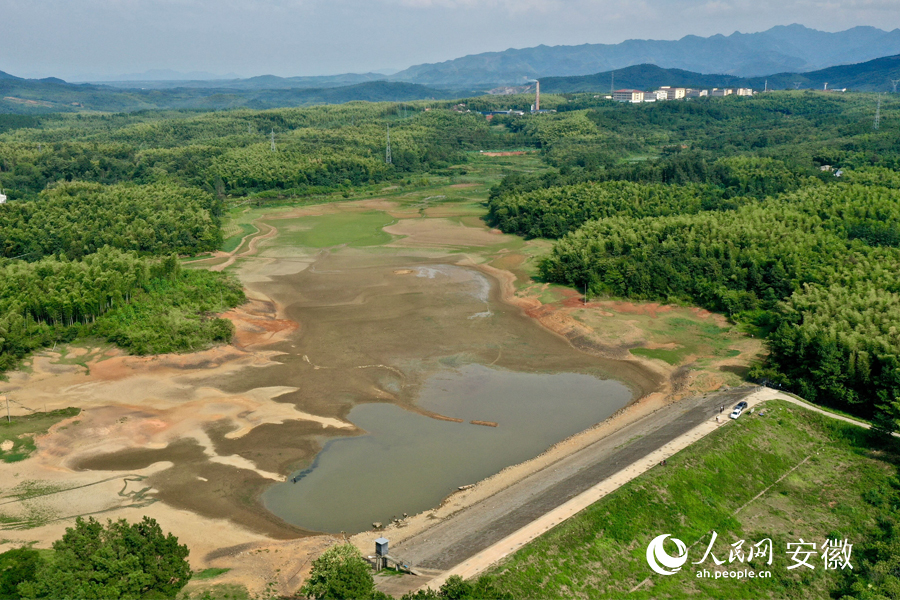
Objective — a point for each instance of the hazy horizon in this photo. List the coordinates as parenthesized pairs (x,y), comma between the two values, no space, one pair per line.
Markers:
(98,39)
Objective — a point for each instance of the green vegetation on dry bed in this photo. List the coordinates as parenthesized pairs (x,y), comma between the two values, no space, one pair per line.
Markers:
(21,430)
(846,489)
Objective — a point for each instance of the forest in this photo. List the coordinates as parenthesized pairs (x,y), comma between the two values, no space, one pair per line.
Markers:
(782,213)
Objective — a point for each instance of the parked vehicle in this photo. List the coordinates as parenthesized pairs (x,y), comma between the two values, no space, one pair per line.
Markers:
(738,409)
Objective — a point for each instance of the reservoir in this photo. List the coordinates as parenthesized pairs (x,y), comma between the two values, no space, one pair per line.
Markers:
(408,462)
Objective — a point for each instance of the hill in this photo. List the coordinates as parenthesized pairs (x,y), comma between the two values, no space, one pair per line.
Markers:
(871,76)
(260,82)
(792,48)
(30,96)
(642,77)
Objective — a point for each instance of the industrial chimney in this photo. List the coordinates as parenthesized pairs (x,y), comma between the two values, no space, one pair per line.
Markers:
(537,97)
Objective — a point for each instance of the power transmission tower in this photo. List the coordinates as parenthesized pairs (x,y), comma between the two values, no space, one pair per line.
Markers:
(877,114)
(894,83)
(797,85)
(273,140)
(387,152)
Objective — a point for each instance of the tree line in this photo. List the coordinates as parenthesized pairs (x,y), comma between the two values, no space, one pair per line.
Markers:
(814,267)
(145,305)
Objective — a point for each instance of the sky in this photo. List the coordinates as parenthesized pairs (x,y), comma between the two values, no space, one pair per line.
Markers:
(87,39)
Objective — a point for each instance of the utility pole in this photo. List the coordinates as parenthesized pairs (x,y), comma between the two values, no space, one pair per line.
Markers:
(387,152)
(877,114)
(273,140)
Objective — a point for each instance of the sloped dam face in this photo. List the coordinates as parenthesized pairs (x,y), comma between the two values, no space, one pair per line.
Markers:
(389,342)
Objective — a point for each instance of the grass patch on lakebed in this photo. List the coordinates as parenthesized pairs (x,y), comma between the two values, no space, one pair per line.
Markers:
(17,435)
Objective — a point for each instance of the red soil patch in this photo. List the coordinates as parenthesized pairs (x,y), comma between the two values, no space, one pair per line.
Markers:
(256,323)
(652,309)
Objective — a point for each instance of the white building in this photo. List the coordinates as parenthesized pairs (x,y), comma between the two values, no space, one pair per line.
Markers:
(690,93)
(673,93)
(744,92)
(721,92)
(658,95)
(628,96)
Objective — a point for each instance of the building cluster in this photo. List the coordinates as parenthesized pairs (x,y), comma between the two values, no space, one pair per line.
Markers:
(676,93)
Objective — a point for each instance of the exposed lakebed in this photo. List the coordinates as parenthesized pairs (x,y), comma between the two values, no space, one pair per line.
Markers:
(390,338)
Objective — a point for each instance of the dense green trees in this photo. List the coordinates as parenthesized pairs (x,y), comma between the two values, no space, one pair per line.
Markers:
(339,573)
(95,561)
(830,252)
(144,305)
(77,219)
(17,566)
(556,211)
(318,148)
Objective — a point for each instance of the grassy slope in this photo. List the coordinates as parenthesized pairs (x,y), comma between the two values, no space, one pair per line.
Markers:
(601,552)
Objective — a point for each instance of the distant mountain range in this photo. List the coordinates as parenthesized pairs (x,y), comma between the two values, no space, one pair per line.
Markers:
(741,60)
(871,76)
(155,75)
(782,49)
(792,48)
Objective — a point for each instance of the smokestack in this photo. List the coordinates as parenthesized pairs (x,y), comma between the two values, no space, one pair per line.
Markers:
(537,98)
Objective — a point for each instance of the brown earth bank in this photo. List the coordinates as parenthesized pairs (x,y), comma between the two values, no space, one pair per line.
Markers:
(192,440)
